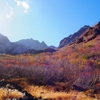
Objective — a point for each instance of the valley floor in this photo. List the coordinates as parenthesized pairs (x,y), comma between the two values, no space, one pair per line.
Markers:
(48,94)
(42,93)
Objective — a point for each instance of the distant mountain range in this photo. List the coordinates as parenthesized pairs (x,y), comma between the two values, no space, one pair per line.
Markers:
(33,44)
(32,51)
(84,34)
(20,46)
(71,38)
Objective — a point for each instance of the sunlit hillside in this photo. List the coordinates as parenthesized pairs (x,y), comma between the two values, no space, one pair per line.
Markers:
(70,73)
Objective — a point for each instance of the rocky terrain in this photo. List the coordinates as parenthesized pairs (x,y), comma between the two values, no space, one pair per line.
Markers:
(71,38)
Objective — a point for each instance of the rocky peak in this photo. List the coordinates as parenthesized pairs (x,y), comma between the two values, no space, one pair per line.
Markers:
(71,38)
(89,34)
(3,39)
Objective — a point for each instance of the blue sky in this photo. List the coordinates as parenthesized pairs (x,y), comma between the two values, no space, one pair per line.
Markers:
(46,20)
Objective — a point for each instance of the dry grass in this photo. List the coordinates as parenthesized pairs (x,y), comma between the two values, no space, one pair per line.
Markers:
(4,94)
(46,93)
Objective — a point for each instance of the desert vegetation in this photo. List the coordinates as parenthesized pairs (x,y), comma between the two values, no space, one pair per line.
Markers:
(71,73)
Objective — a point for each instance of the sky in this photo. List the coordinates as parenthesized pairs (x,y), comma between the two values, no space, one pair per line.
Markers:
(46,20)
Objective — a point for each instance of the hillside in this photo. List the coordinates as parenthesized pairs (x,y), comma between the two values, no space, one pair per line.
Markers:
(71,38)
(70,73)
(83,56)
(32,51)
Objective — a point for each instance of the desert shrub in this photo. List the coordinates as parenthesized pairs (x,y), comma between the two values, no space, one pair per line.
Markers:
(90,45)
(57,70)
(2,71)
(42,75)
(85,56)
(88,77)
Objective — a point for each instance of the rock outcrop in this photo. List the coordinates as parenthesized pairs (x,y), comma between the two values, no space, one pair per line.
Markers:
(89,34)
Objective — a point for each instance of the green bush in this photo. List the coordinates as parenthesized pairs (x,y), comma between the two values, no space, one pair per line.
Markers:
(85,56)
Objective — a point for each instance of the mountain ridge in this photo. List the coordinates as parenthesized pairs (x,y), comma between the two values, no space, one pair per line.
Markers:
(89,34)
(20,46)
(71,38)
(33,44)
(84,34)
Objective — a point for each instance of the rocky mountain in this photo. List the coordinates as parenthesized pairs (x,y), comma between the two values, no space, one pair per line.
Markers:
(20,46)
(33,44)
(5,44)
(89,34)
(71,38)
(16,48)
(84,54)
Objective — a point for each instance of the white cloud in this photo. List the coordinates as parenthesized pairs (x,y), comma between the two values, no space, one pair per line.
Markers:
(11,13)
(6,11)
(24,4)
(18,2)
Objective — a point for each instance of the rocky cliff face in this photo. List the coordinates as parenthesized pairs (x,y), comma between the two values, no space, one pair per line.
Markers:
(89,34)
(71,38)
